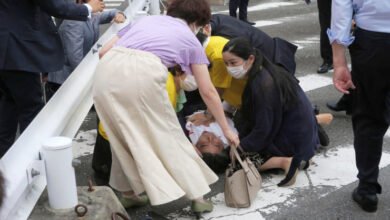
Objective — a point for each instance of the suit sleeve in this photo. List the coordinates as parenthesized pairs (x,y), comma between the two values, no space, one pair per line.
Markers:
(107,16)
(64,9)
(72,35)
(266,110)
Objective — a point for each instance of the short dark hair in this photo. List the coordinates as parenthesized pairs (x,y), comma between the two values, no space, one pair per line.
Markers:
(201,37)
(191,11)
(217,162)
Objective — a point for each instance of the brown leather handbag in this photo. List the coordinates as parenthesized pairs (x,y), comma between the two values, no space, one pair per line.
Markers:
(242,182)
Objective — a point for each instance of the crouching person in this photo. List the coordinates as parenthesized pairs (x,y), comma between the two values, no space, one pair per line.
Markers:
(276,118)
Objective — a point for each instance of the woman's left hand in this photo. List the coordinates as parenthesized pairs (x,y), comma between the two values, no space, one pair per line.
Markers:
(119,17)
(232,137)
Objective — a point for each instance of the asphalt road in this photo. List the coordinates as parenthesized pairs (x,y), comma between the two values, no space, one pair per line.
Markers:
(322,192)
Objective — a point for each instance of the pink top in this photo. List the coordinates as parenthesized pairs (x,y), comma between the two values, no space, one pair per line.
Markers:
(167,37)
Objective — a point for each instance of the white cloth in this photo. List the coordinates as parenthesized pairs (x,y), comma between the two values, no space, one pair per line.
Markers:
(195,131)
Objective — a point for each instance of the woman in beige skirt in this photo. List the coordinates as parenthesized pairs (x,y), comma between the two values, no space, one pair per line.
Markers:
(150,151)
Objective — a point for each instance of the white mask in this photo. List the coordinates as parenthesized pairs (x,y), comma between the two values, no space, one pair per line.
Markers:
(189,83)
(237,72)
(195,29)
(206,42)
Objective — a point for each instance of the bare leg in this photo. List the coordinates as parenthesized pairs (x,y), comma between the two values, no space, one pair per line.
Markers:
(324,119)
(285,164)
(277,162)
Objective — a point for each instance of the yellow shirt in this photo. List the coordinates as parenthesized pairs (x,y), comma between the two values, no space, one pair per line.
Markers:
(171,89)
(233,88)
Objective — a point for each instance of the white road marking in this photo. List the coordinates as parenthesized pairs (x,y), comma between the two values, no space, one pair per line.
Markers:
(313,40)
(314,81)
(264,6)
(263,23)
(295,18)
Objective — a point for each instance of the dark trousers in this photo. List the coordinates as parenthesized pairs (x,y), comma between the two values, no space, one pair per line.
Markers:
(324,14)
(20,102)
(370,116)
(101,159)
(243,7)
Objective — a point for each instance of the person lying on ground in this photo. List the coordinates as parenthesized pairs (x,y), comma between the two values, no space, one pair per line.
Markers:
(209,142)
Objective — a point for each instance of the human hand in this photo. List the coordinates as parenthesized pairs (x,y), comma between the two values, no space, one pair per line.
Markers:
(119,17)
(342,79)
(200,118)
(96,5)
(232,137)
(106,47)
(231,152)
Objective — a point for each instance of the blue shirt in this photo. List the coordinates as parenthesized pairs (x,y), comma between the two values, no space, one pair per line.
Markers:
(371,15)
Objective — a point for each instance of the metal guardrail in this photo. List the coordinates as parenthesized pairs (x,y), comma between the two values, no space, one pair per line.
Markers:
(22,167)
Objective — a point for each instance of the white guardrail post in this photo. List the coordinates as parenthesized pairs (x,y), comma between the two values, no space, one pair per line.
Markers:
(60,175)
(22,166)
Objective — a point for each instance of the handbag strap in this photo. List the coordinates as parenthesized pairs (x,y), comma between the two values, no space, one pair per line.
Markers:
(243,165)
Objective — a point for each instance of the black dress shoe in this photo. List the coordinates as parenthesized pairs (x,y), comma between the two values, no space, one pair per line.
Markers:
(336,106)
(324,68)
(368,202)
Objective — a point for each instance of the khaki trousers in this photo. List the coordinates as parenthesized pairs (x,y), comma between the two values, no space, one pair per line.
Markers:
(149,150)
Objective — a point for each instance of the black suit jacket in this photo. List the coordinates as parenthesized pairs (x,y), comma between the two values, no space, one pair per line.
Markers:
(277,50)
(29,40)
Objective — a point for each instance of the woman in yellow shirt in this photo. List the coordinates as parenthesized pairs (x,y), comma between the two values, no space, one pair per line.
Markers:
(229,88)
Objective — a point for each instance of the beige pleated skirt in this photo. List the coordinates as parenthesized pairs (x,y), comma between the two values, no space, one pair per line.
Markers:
(149,149)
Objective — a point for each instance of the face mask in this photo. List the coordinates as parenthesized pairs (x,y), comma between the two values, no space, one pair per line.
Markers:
(237,72)
(189,83)
(206,42)
(195,29)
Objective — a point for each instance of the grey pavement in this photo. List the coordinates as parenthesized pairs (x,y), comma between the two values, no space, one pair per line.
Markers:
(322,192)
